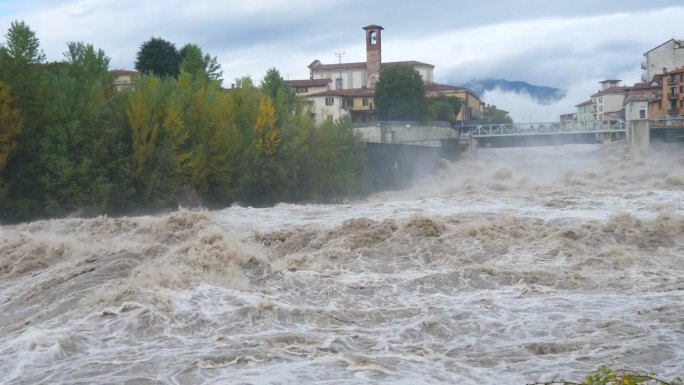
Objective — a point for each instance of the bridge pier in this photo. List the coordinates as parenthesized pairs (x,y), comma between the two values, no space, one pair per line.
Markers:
(639,136)
(472,146)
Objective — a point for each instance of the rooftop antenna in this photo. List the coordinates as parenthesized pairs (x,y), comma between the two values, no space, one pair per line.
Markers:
(339,61)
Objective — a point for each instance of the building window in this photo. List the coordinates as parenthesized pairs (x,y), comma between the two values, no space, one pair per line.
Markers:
(600,108)
(681,89)
(329,101)
(349,103)
(681,78)
(338,83)
(600,99)
(642,114)
(681,103)
(302,89)
(364,102)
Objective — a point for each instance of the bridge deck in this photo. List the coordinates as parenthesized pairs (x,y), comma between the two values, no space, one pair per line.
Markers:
(553,128)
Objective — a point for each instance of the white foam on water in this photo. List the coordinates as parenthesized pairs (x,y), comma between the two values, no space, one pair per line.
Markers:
(520,265)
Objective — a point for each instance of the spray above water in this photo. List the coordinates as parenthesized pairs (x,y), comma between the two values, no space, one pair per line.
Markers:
(515,266)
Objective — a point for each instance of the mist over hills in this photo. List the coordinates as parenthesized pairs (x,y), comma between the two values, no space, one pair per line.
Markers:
(541,94)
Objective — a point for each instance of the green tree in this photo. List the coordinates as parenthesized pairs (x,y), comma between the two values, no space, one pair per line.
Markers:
(341,168)
(72,163)
(21,68)
(443,108)
(195,62)
(158,56)
(492,115)
(11,123)
(282,95)
(145,112)
(400,94)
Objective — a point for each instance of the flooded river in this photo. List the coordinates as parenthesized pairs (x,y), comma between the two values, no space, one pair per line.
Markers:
(517,266)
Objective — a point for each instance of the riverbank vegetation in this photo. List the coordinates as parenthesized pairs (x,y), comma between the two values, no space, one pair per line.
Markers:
(72,142)
(607,376)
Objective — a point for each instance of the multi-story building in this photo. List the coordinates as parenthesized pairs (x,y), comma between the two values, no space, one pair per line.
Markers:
(350,87)
(568,120)
(309,86)
(641,99)
(584,111)
(663,58)
(672,91)
(471,106)
(607,103)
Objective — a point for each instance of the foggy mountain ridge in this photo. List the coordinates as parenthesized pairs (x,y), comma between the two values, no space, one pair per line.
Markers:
(541,94)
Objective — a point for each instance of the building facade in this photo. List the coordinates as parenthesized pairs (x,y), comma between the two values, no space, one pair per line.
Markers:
(607,103)
(641,100)
(123,78)
(663,58)
(584,111)
(672,91)
(347,89)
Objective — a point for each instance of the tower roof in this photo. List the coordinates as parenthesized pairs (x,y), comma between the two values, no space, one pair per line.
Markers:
(373,26)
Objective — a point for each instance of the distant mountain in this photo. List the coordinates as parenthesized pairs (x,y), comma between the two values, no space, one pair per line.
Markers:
(541,94)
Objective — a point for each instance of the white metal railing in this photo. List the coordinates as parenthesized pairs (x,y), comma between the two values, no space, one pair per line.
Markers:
(515,129)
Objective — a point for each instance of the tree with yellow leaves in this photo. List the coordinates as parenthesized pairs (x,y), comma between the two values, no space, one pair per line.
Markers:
(266,133)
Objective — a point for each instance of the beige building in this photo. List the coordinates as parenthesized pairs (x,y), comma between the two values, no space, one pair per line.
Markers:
(471,106)
(123,78)
(607,103)
(350,87)
(641,100)
(663,58)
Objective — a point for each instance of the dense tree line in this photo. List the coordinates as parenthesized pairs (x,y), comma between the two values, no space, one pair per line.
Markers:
(70,142)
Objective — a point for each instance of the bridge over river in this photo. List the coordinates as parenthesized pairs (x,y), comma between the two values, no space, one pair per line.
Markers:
(399,151)
(549,133)
(443,134)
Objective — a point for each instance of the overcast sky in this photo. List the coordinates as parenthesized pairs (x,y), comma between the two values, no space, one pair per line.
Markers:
(565,44)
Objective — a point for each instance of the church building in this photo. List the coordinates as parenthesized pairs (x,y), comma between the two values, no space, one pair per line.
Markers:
(350,87)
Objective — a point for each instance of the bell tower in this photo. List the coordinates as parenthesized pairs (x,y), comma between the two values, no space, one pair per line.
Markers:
(373,54)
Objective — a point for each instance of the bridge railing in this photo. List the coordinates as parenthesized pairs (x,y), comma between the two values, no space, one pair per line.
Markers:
(544,128)
(407,132)
(667,121)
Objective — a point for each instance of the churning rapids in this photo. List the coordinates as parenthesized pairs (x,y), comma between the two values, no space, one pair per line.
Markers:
(521,265)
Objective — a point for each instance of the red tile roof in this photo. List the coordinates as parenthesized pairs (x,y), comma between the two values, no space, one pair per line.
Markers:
(309,82)
(125,72)
(587,103)
(349,92)
(436,87)
(610,90)
(362,64)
